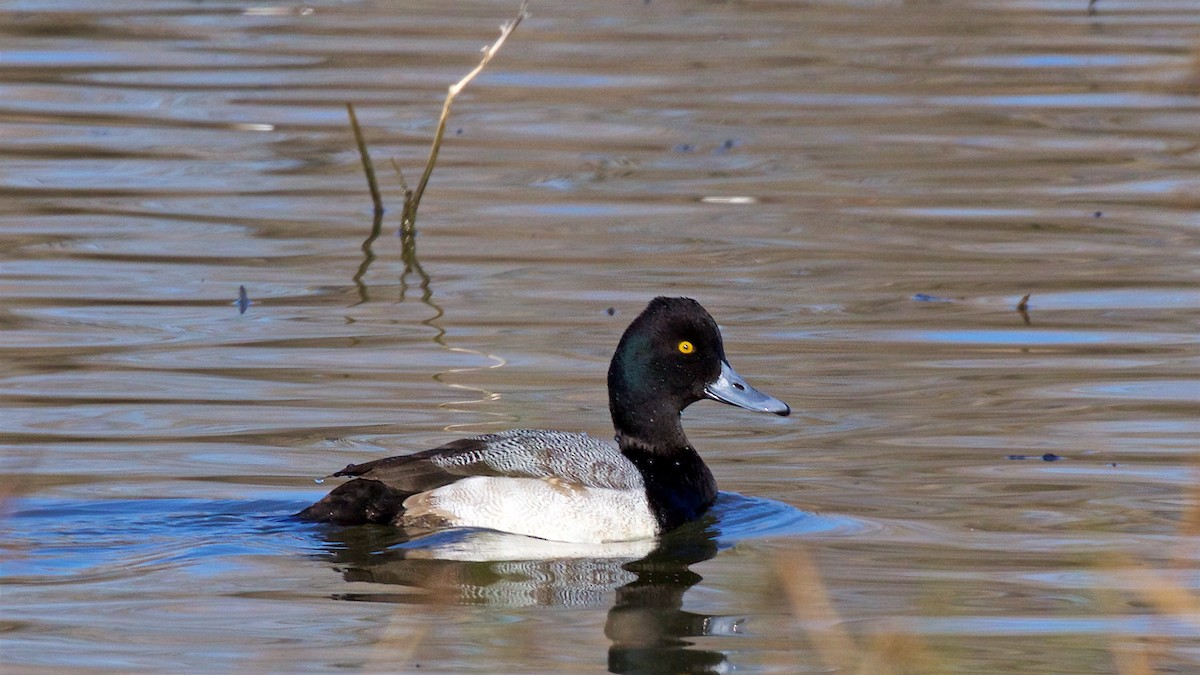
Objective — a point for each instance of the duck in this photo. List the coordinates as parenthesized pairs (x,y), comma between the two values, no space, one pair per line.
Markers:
(565,486)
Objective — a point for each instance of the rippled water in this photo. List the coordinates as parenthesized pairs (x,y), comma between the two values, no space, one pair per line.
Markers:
(861,193)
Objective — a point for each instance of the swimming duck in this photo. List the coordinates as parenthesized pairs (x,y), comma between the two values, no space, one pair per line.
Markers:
(567,486)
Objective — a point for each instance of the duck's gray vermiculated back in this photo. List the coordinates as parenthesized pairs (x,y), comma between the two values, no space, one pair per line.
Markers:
(545,453)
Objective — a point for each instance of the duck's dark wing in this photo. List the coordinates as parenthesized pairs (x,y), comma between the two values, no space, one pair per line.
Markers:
(424,470)
(382,485)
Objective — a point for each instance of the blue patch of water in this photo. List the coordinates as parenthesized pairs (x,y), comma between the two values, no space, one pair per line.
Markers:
(47,538)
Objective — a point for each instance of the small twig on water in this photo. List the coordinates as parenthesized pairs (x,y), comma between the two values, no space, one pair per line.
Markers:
(1023,308)
(363,154)
(410,207)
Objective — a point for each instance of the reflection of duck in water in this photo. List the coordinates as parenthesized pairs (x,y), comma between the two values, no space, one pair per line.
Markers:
(571,487)
(647,626)
(641,583)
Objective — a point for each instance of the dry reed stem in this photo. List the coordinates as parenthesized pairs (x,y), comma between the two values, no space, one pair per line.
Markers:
(410,206)
(1190,83)
(365,156)
(1157,589)
(896,652)
(1190,527)
(1129,661)
(403,183)
(811,604)
(397,645)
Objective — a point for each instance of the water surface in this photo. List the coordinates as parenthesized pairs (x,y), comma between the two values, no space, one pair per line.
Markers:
(860,192)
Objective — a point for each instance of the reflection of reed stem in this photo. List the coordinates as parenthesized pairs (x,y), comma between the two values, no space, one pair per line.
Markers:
(408,217)
(412,198)
(368,255)
(408,253)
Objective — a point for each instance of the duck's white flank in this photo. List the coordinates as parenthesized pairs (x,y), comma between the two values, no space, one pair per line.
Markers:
(549,508)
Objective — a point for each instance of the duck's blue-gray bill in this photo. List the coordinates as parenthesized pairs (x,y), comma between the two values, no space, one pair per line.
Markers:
(730,388)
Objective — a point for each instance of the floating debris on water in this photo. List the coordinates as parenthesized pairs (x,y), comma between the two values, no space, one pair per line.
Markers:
(725,147)
(1023,309)
(243,300)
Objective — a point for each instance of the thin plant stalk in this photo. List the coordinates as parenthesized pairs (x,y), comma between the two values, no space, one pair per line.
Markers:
(365,156)
(410,210)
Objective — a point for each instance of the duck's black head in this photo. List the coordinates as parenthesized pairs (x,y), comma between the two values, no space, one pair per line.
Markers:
(670,357)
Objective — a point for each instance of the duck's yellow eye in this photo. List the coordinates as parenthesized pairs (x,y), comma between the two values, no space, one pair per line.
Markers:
(686,347)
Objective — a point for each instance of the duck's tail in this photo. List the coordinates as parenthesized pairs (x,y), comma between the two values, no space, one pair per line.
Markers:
(361,501)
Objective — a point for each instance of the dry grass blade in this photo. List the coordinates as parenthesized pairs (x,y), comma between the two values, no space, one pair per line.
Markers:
(811,604)
(365,156)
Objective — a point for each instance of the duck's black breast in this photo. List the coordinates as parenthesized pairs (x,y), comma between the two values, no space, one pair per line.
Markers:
(679,487)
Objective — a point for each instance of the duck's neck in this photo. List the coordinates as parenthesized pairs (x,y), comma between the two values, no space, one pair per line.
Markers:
(648,423)
(679,486)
